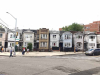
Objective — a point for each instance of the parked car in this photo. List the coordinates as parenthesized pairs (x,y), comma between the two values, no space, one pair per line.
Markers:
(93,52)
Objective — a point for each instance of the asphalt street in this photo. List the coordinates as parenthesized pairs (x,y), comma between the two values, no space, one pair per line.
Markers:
(77,64)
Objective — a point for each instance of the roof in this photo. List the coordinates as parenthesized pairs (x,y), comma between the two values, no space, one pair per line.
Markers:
(13,30)
(61,32)
(79,33)
(54,32)
(35,31)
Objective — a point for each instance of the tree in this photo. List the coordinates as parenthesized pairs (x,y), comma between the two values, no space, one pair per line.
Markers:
(29,46)
(73,27)
(65,28)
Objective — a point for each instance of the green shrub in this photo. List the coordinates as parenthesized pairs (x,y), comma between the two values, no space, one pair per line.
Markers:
(29,46)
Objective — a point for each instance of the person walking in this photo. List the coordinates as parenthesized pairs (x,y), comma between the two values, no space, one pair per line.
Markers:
(2,49)
(27,50)
(11,52)
(23,51)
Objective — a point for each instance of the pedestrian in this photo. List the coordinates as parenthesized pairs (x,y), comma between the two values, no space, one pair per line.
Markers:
(2,49)
(27,50)
(23,51)
(11,52)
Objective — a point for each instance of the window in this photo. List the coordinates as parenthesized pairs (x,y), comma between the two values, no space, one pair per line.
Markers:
(67,44)
(92,37)
(14,35)
(67,37)
(12,44)
(30,36)
(0,43)
(79,44)
(54,36)
(25,44)
(11,36)
(43,36)
(0,35)
(60,36)
(43,44)
(91,44)
(87,27)
(79,37)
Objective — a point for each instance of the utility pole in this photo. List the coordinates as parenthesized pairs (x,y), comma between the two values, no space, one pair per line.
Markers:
(15,30)
(83,38)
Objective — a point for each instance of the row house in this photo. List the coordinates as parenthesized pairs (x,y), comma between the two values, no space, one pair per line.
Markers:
(2,37)
(98,41)
(90,40)
(36,41)
(28,37)
(11,38)
(61,40)
(54,41)
(78,40)
(44,39)
(67,41)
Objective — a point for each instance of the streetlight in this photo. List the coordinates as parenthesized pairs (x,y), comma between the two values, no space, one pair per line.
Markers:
(15,29)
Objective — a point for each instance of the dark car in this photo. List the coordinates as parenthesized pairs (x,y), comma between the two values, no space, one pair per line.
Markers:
(93,52)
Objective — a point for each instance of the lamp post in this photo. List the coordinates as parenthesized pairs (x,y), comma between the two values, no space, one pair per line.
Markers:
(15,30)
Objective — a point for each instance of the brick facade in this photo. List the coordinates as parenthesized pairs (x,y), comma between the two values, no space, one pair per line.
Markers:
(60,29)
(93,27)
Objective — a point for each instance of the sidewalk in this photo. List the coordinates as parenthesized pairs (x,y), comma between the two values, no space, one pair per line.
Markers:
(39,53)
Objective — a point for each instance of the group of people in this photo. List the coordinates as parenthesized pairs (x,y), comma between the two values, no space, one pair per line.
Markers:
(23,51)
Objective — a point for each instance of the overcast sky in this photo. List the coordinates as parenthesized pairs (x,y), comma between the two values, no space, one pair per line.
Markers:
(52,14)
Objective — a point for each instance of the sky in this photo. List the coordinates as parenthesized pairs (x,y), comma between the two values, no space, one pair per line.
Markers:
(52,14)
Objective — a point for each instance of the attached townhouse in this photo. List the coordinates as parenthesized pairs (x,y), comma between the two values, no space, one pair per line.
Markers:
(98,41)
(54,40)
(43,39)
(11,38)
(2,38)
(28,37)
(67,41)
(90,40)
(61,40)
(78,40)
(36,41)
